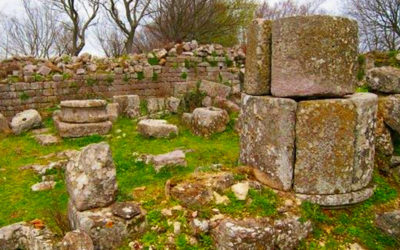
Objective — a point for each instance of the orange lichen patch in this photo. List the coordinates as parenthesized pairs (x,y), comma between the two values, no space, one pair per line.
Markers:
(109,224)
(38,224)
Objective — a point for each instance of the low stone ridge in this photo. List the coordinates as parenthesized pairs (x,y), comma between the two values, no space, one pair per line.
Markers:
(338,133)
(174,158)
(384,79)
(389,223)
(252,233)
(95,103)
(257,80)
(76,240)
(25,121)
(267,137)
(91,177)
(157,128)
(208,121)
(308,58)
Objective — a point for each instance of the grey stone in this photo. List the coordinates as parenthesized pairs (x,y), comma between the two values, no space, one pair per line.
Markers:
(91,177)
(4,127)
(187,119)
(43,186)
(389,110)
(208,121)
(314,56)
(44,70)
(174,158)
(214,89)
(155,104)
(257,79)
(76,240)
(384,79)
(389,223)
(267,137)
(25,121)
(47,140)
(85,111)
(173,104)
(129,105)
(126,210)
(157,128)
(73,130)
(113,111)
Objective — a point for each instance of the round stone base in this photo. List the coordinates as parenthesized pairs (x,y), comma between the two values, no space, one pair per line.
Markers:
(334,200)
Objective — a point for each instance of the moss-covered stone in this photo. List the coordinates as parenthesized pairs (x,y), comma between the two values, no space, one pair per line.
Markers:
(314,56)
(258,58)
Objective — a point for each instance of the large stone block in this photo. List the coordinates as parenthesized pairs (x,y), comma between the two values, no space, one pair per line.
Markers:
(214,89)
(84,111)
(267,138)
(91,177)
(129,105)
(389,110)
(314,56)
(210,120)
(335,144)
(384,79)
(257,80)
(73,130)
(157,128)
(25,121)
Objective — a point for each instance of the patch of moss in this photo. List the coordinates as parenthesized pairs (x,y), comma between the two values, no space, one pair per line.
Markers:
(140,76)
(24,96)
(184,75)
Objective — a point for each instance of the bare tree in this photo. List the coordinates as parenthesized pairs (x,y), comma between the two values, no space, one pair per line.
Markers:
(128,15)
(81,15)
(287,8)
(203,20)
(34,34)
(379,22)
(111,39)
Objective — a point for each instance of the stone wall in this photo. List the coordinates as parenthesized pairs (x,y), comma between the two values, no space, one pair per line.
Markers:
(32,84)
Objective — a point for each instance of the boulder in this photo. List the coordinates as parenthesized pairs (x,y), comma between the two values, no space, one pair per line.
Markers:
(208,121)
(106,230)
(314,56)
(73,130)
(47,140)
(91,177)
(241,190)
(155,104)
(129,105)
(76,240)
(25,236)
(174,158)
(389,223)
(214,89)
(335,144)
(228,105)
(43,186)
(113,111)
(257,79)
(156,128)
(173,104)
(4,127)
(384,79)
(25,121)
(187,119)
(267,137)
(83,111)
(389,110)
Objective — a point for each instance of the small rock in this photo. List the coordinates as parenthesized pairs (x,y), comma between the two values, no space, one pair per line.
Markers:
(47,140)
(77,240)
(166,212)
(157,128)
(241,190)
(80,71)
(389,223)
(42,186)
(219,199)
(177,227)
(288,203)
(200,226)
(44,70)
(25,121)
(126,210)
(174,158)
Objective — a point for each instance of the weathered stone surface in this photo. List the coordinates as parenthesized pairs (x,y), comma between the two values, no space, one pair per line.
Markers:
(174,158)
(25,121)
(389,110)
(289,232)
(76,240)
(126,210)
(389,223)
(155,104)
(383,141)
(46,140)
(241,190)
(214,89)
(198,189)
(257,80)
(83,111)
(68,130)
(129,105)
(24,236)
(173,104)
(228,105)
(113,111)
(332,200)
(90,177)
(157,128)
(187,119)
(267,138)
(314,56)
(106,230)
(42,186)
(384,79)
(335,144)
(208,121)
(4,127)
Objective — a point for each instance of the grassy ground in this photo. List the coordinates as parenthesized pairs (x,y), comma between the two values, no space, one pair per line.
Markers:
(333,228)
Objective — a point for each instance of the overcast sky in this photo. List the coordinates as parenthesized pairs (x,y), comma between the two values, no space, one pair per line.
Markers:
(13,7)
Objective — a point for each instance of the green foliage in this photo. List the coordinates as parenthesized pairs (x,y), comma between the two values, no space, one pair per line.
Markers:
(153,61)
(73,85)
(181,242)
(386,58)
(24,96)
(66,58)
(91,81)
(37,77)
(143,107)
(126,78)
(212,62)
(184,75)
(155,77)
(12,79)
(66,76)
(263,203)
(361,67)
(140,76)
(193,98)
(228,62)
(363,89)
(110,79)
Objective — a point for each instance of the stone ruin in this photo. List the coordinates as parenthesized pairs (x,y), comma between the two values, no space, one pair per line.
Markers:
(302,126)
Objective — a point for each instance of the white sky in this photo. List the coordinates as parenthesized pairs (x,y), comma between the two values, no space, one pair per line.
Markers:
(13,7)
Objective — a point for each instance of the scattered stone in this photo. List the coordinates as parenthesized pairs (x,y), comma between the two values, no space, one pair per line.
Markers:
(43,186)
(312,48)
(207,101)
(113,111)
(126,210)
(208,121)
(389,223)
(44,70)
(214,89)
(75,130)
(47,140)
(389,110)
(290,232)
(155,105)
(267,138)
(177,227)
(228,105)
(241,190)
(384,79)
(76,240)
(258,63)
(157,128)
(25,121)
(129,105)
(84,111)
(90,177)
(4,127)
(166,212)
(395,161)
(221,199)
(174,158)
(187,119)
(173,104)
(200,226)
